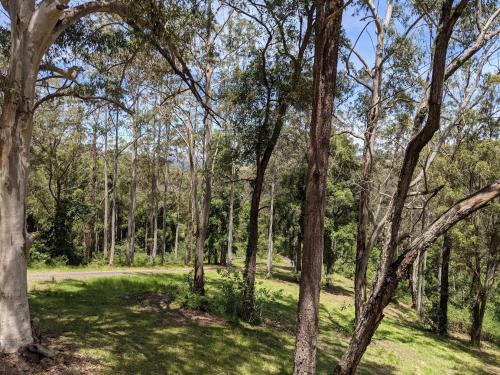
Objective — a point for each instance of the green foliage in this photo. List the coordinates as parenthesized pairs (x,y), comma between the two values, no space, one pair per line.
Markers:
(236,304)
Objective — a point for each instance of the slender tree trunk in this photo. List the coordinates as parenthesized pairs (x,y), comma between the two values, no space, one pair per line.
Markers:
(133,198)
(443,287)
(362,249)
(298,253)
(193,204)
(176,244)
(231,219)
(477,314)
(270,235)
(92,243)
(114,213)
(483,288)
(253,235)
(165,193)
(154,192)
(326,47)
(199,280)
(421,284)
(106,193)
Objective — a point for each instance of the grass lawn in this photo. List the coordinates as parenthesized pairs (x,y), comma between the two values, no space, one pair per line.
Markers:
(118,323)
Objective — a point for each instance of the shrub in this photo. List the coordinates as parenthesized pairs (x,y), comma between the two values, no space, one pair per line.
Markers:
(236,304)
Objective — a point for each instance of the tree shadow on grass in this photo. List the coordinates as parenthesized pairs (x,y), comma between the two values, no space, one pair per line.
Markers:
(98,317)
(102,318)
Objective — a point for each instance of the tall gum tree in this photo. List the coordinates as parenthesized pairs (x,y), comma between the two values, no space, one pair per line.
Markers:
(326,49)
(33,29)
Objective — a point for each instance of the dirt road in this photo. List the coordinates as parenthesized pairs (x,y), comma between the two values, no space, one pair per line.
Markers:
(64,275)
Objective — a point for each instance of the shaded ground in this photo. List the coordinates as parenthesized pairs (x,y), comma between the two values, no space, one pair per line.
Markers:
(132,324)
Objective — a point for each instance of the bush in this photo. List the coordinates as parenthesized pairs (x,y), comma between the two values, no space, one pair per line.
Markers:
(188,298)
(236,304)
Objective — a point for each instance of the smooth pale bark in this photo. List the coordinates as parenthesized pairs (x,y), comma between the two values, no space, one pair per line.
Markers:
(444,285)
(270,233)
(326,49)
(106,196)
(193,203)
(362,249)
(114,211)
(165,192)
(154,194)
(421,285)
(199,278)
(133,197)
(231,219)
(176,244)
(92,244)
(33,28)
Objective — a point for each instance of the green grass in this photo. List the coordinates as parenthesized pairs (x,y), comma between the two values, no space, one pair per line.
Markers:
(101,317)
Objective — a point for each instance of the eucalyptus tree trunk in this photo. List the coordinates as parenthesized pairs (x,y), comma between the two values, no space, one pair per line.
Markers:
(230,225)
(199,280)
(154,193)
(177,212)
(114,212)
(106,195)
(270,234)
(362,250)
(482,288)
(165,193)
(421,284)
(193,204)
(92,244)
(133,198)
(298,253)
(391,271)
(326,48)
(444,285)
(34,26)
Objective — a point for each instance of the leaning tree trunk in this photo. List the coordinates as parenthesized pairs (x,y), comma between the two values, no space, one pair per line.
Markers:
(444,286)
(328,26)
(270,234)
(380,297)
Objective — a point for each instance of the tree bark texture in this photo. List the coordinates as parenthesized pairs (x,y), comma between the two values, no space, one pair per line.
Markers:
(326,47)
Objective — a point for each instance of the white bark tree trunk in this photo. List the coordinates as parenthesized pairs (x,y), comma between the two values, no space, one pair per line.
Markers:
(270,238)
(106,197)
(231,219)
(113,201)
